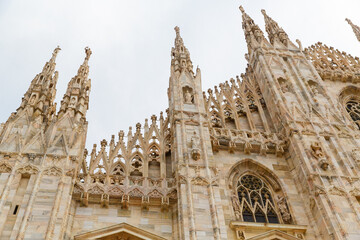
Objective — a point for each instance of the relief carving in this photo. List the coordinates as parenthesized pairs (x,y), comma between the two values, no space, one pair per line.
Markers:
(5,168)
(53,171)
(355,153)
(200,181)
(284,211)
(195,149)
(236,206)
(319,155)
(28,169)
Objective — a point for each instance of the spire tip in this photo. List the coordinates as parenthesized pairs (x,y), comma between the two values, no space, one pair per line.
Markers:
(242,9)
(177,29)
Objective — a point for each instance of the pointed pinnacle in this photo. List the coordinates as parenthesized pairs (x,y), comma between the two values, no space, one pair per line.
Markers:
(55,53)
(267,18)
(355,28)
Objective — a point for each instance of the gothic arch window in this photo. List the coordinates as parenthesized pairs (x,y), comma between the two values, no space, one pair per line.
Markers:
(256,201)
(352,106)
(350,100)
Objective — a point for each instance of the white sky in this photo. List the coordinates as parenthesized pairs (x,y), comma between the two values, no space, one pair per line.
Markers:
(131,43)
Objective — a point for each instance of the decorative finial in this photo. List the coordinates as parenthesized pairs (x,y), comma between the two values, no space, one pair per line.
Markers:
(348,20)
(177,30)
(241,9)
(88,52)
(263,12)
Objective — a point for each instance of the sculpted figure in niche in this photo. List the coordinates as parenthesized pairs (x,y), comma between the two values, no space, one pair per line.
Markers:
(188,97)
(195,150)
(72,102)
(285,89)
(32,99)
(283,38)
(187,94)
(258,35)
(320,100)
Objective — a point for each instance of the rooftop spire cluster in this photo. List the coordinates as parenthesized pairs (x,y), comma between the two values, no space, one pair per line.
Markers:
(255,37)
(39,100)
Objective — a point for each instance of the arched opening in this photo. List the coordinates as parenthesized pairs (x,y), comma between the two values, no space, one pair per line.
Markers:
(154,162)
(258,194)
(350,100)
(229,118)
(255,200)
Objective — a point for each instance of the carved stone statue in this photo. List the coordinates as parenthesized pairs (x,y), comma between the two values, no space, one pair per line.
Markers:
(72,102)
(284,211)
(319,99)
(56,51)
(319,154)
(32,99)
(195,150)
(88,53)
(258,35)
(284,87)
(240,235)
(188,97)
(283,38)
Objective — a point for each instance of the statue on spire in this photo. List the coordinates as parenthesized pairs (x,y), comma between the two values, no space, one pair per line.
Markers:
(55,53)
(88,53)
(177,30)
(355,28)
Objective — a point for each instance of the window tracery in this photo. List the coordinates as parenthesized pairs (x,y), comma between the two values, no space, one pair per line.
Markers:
(349,98)
(118,170)
(256,201)
(352,106)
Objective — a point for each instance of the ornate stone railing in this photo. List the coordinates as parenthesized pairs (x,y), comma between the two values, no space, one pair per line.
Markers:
(247,141)
(117,189)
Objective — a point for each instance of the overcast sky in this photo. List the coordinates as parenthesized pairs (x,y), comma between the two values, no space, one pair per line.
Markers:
(131,43)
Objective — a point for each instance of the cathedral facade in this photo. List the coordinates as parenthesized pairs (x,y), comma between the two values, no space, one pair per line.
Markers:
(272,154)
